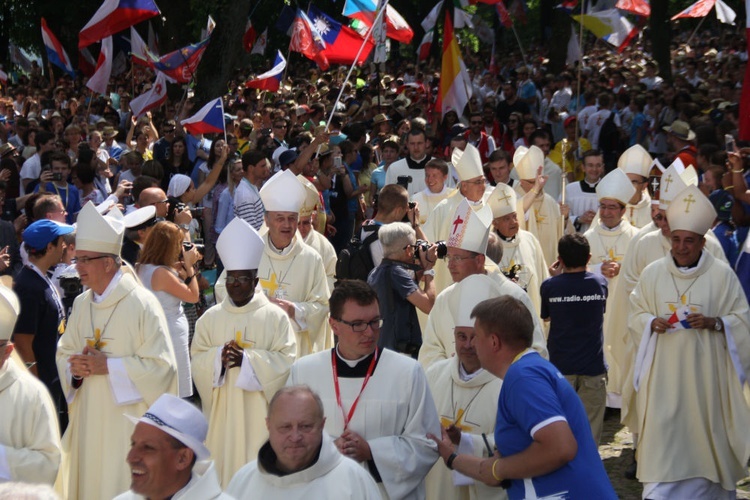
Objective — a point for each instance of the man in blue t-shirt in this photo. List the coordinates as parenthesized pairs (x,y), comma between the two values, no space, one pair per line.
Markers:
(545,447)
(573,302)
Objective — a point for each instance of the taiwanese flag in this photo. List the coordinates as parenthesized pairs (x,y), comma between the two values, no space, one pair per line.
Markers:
(307,41)
(248,39)
(744,118)
(342,42)
(179,66)
(55,52)
(208,120)
(114,16)
(270,80)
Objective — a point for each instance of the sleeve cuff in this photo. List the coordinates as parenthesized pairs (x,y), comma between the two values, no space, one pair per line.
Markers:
(123,389)
(545,423)
(300,318)
(4,466)
(247,380)
(219,374)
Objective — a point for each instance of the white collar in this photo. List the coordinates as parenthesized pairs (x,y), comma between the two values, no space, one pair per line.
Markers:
(112,284)
(466,377)
(612,229)
(351,362)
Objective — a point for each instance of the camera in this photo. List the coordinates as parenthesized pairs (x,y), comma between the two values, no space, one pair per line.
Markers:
(70,284)
(174,207)
(404,181)
(187,246)
(412,205)
(423,246)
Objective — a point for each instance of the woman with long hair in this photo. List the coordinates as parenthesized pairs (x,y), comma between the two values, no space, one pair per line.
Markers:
(166,267)
(528,127)
(514,126)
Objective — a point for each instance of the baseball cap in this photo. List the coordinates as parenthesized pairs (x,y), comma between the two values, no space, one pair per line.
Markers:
(40,233)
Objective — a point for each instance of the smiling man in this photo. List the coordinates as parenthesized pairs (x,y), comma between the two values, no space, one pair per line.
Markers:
(377,403)
(691,321)
(299,461)
(241,354)
(116,356)
(165,448)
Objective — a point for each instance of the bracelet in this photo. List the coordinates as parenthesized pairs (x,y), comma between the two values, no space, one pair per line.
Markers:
(493,470)
(449,462)
(535,191)
(728,188)
(77,378)
(189,279)
(740,171)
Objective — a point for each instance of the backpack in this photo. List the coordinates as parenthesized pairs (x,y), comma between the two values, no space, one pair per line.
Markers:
(355,261)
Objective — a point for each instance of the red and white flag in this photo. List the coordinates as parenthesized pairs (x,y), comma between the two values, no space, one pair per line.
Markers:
(260,43)
(100,79)
(154,98)
(248,38)
(139,51)
(425,46)
(744,118)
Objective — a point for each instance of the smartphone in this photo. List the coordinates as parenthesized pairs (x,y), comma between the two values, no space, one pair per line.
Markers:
(57,176)
(729,145)
(337,162)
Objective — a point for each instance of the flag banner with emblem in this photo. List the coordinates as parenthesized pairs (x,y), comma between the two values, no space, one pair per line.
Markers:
(139,51)
(701,8)
(208,120)
(114,16)
(155,97)
(270,80)
(180,65)
(260,43)
(55,52)
(100,79)
(307,41)
(365,11)
(342,42)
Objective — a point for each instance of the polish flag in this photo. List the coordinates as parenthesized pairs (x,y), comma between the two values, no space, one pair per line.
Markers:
(100,79)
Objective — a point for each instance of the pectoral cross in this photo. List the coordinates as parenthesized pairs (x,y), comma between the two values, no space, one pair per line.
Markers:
(612,257)
(655,184)
(239,340)
(270,285)
(457,223)
(96,342)
(688,201)
(505,199)
(539,218)
(667,181)
(447,422)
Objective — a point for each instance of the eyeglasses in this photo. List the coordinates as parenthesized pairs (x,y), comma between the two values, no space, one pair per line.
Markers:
(280,126)
(86,260)
(242,280)
(361,326)
(169,131)
(159,202)
(456,258)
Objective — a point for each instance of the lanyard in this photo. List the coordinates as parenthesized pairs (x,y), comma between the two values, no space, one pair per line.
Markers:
(370,369)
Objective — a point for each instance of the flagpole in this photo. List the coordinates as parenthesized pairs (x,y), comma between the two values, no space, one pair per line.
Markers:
(518,39)
(696,30)
(578,84)
(356,58)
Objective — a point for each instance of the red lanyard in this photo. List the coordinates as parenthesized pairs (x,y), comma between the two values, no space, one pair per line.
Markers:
(370,369)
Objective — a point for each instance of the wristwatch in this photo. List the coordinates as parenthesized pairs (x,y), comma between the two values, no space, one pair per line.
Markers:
(718,325)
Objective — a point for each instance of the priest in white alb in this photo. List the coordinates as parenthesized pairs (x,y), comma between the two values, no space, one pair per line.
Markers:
(241,353)
(581,195)
(523,260)
(544,218)
(307,219)
(691,324)
(115,357)
(466,398)
(472,188)
(378,406)
(467,244)
(608,241)
(29,432)
(636,163)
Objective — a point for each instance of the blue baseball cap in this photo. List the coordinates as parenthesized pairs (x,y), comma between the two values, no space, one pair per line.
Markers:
(39,234)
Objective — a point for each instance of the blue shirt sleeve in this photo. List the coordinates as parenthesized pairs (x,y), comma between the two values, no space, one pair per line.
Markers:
(402,282)
(533,399)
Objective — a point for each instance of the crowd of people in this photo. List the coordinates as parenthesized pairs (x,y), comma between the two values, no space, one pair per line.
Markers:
(335,294)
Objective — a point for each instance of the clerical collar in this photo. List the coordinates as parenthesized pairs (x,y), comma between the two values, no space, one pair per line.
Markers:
(475,203)
(611,229)
(283,251)
(357,368)
(507,240)
(587,187)
(467,377)
(417,164)
(112,284)
(692,268)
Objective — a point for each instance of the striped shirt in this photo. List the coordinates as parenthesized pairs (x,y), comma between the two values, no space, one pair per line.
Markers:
(248,205)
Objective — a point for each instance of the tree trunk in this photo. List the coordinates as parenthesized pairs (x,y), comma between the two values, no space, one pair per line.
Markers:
(223,51)
(558,43)
(661,37)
